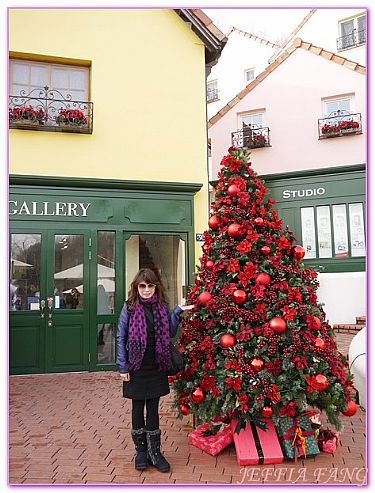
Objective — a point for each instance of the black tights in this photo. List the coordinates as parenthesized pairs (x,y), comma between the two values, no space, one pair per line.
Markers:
(152,414)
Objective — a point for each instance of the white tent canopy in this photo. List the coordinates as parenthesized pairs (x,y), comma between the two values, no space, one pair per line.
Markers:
(108,285)
(76,272)
(19,263)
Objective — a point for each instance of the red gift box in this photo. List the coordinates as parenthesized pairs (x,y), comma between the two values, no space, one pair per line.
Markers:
(212,444)
(255,446)
(328,441)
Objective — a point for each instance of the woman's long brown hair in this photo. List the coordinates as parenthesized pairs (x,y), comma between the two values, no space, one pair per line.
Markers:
(150,277)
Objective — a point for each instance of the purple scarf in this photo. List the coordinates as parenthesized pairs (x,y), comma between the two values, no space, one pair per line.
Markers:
(138,334)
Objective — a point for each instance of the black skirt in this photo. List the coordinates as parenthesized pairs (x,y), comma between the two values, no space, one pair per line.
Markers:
(148,382)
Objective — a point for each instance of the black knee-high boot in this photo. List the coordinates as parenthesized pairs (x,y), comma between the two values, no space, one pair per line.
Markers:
(153,447)
(139,439)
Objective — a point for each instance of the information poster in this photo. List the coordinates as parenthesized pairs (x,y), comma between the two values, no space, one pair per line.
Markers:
(357,230)
(323,221)
(340,231)
(308,231)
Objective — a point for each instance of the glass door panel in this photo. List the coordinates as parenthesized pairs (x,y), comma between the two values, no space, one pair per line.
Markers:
(165,255)
(24,272)
(68,275)
(26,303)
(105,296)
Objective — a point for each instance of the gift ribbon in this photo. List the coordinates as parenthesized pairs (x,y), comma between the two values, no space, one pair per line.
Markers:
(299,440)
(257,443)
(297,435)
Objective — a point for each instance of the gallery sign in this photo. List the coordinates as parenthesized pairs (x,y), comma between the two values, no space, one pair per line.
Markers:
(25,208)
(59,208)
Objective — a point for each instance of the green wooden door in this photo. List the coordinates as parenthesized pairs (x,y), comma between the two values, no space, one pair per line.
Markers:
(67,309)
(27,287)
(49,298)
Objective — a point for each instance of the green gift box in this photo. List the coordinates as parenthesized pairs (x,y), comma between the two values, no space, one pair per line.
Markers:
(297,437)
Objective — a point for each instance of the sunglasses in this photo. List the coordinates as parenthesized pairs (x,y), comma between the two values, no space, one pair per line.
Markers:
(143,285)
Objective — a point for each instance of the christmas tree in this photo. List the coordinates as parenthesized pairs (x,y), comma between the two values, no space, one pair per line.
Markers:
(256,343)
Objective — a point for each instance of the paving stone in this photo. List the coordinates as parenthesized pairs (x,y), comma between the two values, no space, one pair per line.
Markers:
(52,433)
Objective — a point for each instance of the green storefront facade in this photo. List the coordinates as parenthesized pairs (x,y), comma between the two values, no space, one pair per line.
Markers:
(75,246)
(325,209)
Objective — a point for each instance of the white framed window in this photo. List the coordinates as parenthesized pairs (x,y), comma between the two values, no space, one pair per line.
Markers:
(333,105)
(212,91)
(352,32)
(257,119)
(249,74)
(26,75)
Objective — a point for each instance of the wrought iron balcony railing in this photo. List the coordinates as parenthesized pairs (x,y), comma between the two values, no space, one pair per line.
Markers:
(356,38)
(212,95)
(251,137)
(47,109)
(340,123)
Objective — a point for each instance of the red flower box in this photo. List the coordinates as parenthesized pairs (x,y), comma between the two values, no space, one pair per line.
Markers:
(212,444)
(255,446)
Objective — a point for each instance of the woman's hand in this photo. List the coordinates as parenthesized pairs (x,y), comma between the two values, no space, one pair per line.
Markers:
(125,377)
(186,307)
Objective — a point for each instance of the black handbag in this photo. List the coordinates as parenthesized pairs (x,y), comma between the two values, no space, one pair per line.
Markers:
(177,361)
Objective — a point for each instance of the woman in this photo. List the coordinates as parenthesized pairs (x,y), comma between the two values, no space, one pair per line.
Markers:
(143,358)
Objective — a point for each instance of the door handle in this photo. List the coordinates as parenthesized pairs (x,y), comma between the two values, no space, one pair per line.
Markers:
(50,306)
(42,308)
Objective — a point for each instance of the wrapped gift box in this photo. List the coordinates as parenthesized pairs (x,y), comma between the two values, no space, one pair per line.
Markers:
(212,444)
(255,446)
(328,441)
(297,437)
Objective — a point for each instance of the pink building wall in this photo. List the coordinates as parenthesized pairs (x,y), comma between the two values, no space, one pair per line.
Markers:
(292,97)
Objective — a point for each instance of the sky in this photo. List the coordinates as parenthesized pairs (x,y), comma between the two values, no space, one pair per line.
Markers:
(272,24)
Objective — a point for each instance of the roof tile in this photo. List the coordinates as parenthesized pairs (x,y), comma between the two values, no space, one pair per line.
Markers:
(297,43)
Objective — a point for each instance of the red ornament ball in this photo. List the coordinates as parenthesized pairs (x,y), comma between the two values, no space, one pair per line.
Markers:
(319,343)
(267,411)
(233,190)
(204,298)
(185,409)
(214,222)
(265,250)
(206,249)
(259,221)
(278,325)
(298,252)
(197,395)
(239,296)
(256,364)
(227,340)
(263,279)
(351,409)
(316,324)
(210,264)
(320,382)
(235,230)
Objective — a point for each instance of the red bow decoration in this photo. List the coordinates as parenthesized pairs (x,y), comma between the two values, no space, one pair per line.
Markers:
(297,434)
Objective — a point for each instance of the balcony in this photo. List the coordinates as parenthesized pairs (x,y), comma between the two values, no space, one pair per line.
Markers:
(339,124)
(356,38)
(212,95)
(48,110)
(251,137)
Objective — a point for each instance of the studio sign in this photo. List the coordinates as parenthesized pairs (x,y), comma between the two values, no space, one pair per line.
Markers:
(308,192)
(78,209)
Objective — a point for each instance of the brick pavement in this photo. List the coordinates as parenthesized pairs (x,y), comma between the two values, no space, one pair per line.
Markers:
(75,428)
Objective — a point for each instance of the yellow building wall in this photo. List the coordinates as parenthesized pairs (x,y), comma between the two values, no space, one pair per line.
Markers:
(148,89)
